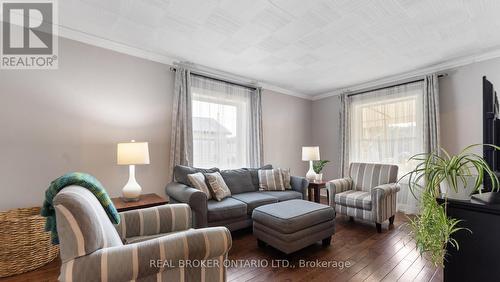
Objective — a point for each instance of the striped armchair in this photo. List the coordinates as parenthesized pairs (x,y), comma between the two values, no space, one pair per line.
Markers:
(153,244)
(368,193)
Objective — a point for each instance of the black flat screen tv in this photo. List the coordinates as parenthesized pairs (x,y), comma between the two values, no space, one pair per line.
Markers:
(491,128)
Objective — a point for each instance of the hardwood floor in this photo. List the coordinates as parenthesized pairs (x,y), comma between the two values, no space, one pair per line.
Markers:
(386,256)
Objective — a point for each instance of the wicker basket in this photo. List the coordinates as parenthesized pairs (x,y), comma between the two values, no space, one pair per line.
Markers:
(24,245)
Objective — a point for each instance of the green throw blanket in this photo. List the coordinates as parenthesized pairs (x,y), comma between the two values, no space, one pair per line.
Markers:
(80,179)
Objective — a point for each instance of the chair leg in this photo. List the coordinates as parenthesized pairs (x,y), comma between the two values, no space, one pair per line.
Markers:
(391,220)
(327,241)
(261,243)
(379,227)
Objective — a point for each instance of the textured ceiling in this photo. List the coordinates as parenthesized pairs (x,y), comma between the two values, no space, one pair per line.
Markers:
(306,46)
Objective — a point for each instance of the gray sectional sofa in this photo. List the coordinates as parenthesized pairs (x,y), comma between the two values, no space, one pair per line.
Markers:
(234,212)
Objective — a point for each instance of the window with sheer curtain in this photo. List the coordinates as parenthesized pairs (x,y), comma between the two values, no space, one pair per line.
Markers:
(222,123)
(386,126)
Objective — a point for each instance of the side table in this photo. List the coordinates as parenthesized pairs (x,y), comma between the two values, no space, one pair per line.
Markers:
(145,201)
(314,188)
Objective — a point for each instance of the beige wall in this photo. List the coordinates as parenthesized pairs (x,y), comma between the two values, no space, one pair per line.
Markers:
(461,104)
(287,127)
(325,125)
(70,119)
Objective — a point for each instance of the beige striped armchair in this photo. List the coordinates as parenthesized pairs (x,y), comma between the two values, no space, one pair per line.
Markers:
(152,244)
(368,193)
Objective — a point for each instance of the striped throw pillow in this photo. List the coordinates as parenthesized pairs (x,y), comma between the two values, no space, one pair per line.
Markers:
(274,179)
(285,173)
(197,180)
(217,185)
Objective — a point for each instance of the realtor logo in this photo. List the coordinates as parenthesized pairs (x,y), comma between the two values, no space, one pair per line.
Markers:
(29,35)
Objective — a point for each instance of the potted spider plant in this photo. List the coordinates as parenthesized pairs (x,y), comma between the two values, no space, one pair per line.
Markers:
(460,174)
(318,167)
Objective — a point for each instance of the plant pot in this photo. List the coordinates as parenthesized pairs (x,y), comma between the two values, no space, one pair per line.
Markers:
(464,191)
(319,177)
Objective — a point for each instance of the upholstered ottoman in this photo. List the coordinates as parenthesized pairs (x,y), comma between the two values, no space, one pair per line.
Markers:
(292,225)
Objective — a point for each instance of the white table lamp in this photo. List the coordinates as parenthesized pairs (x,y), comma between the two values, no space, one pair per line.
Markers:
(310,154)
(132,154)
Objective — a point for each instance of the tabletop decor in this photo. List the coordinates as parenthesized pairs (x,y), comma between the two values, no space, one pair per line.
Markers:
(132,154)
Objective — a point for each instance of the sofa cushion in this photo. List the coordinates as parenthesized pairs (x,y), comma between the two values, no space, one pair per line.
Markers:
(294,215)
(228,208)
(354,199)
(181,172)
(283,195)
(255,175)
(238,180)
(254,199)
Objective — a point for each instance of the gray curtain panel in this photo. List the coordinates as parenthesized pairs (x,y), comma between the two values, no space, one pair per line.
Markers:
(256,139)
(344,134)
(431,113)
(181,145)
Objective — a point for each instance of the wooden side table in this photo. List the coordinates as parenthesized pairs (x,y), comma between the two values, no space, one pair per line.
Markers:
(145,201)
(315,186)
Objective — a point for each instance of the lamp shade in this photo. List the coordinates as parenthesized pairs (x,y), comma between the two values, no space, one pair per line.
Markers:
(133,153)
(310,153)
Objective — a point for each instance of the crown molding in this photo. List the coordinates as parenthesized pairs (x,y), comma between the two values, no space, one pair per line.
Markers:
(119,47)
(240,79)
(285,91)
(171,60)
(215,73)
(440,67)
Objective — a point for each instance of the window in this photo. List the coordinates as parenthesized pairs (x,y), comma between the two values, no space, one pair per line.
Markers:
(386,126)
(221,123)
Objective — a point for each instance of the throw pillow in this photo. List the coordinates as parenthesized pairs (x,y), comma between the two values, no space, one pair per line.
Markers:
(272,180)
(181,172)
(254,172)
(285,173)
(197,180)
(217,185)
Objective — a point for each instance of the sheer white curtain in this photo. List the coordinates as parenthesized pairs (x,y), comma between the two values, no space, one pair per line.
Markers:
(223,124)
(386,126)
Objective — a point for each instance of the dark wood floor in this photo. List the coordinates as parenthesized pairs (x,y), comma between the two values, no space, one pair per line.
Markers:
(388,256)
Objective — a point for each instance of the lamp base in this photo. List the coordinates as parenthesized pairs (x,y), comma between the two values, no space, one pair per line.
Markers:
(132,190)
(311,175)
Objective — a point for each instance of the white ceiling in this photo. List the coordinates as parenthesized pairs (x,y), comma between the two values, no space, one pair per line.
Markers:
(309,47)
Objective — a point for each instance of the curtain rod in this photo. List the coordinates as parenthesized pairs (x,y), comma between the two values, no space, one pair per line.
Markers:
(392,85)
(218,78)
